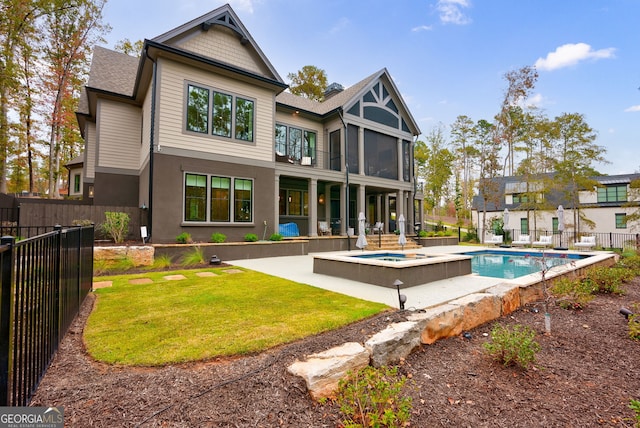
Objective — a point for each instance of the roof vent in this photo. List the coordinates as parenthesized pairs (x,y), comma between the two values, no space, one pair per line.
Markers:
(332,89)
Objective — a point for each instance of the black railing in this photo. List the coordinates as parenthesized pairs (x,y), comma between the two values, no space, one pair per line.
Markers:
(604,240)
(45,279)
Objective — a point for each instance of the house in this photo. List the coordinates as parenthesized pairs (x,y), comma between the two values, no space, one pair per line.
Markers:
(602,209)
(74,180)
(201,134)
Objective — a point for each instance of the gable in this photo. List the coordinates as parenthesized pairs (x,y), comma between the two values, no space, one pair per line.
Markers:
(380,102)
(220,36)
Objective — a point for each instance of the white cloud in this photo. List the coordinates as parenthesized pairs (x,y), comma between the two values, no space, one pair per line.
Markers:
(452,11)
(536,101)
(422,28)
(632,109)
(571,54)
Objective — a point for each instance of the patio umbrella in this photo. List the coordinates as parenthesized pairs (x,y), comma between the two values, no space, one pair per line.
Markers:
(402,239)
(505,219)
(560,214)
(362,239)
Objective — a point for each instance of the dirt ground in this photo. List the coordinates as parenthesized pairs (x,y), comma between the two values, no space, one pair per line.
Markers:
(586,373)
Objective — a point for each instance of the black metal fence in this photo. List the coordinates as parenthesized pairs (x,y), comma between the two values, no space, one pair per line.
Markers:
(44,281)
(604,240)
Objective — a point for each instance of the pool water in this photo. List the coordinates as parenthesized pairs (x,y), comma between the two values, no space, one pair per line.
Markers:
(511,264)
(389,257)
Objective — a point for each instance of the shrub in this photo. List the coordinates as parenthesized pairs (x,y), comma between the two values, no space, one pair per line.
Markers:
(422,233)
(104,267)
(572,293)
(251,237)
(116,225)
(83,222)
(275,237)
(161,262)
(635,406)
(607,279)
(184,238)
(193,257)
(372,397)
(514,346)
(630,261)
(218,237)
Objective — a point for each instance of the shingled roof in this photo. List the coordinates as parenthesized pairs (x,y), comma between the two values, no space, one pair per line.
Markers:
(324,107)
(113,71)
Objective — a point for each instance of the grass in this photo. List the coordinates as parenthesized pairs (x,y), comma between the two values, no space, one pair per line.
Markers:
(201,318)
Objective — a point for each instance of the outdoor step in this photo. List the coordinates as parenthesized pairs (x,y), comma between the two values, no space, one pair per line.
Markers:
(389,242)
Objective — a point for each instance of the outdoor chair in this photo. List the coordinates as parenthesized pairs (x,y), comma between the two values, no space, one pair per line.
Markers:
(495,239)
(323,228)
(545,241)
(586,242)
(378,227)
(523,240)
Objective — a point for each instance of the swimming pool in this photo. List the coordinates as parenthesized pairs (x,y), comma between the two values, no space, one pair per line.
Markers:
(391,257)
(514,264)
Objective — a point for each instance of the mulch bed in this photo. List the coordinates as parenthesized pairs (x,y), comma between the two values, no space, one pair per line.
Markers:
(586,373)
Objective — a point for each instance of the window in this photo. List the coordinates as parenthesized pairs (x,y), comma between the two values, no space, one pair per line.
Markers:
(294,202)
(220,197)
(221,115)
(406,160)
(244,119)
(524,226)
(334,151)
(617,193)
(520,198)
(231,116)
(195,200)
(295,143)
(197,109)
(554,225)
(76,183)
(209,198)
(242,194)
(621,221)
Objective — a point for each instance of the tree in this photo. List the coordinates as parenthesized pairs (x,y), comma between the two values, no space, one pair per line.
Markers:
(488,146)
(309,82)
(129,48)
(578,152)
(70,33)
(520,83)
(462,134)
(435,166)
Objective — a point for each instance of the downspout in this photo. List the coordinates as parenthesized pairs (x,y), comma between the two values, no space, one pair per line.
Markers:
(346,170)
(151,145)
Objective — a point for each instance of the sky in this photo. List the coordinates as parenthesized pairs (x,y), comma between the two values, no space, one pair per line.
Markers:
(447,57)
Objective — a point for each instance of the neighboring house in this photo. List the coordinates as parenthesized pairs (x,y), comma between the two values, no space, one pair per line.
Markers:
(200,133)
(74,182)
(606,205)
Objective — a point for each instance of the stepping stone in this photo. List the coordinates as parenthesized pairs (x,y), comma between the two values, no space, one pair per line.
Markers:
(233,271)
(206,274)
(102,284)
(139,281)
(174,277)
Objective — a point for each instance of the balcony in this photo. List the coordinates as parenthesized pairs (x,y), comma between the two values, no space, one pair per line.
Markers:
(320,160)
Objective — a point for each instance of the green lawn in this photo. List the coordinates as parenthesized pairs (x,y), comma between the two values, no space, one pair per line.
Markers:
(200,318)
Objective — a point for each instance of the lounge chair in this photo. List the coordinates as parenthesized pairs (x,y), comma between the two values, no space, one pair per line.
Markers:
(323,228)
(523,240)
(495,239)
(586,242)
(378,227)
(545,241)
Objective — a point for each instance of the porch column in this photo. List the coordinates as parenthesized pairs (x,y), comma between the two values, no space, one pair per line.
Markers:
(400,165)
(362,203)
(276,214)
(361,151)
(379,208)
(343,209)
(386,213)
(400,207)
(313,207)
(411,212)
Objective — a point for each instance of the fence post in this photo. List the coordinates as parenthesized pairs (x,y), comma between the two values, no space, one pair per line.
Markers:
(6,315)
(58,284)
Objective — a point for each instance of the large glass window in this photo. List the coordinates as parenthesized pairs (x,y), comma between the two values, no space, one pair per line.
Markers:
(294,202)
(295,143)
(220,198)
(195,201)
(281,139)
(616,193)
(244,119)
(309,146)
(243,192)
(621,221)
(211,198)
(231,116)
(221,114)
(197,109)
(406,160)
(335,161)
